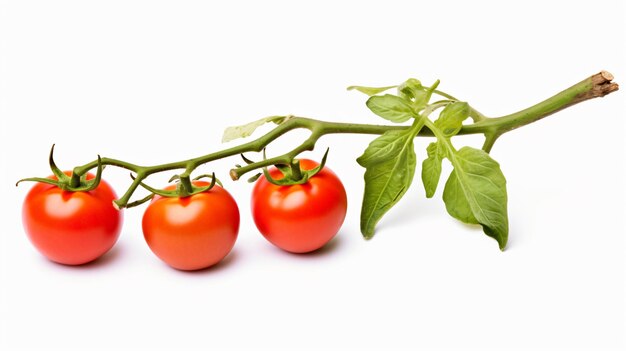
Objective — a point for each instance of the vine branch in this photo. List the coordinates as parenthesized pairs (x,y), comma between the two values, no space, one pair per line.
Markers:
(595,86)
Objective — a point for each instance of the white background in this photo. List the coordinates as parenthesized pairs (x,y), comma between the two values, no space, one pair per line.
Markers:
(154,81)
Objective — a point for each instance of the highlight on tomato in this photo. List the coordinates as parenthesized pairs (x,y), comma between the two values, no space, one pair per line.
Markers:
(192,232)
(71,227)
(302,214)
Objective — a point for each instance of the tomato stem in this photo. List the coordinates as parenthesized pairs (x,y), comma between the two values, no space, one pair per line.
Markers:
(186,187)
(296,172)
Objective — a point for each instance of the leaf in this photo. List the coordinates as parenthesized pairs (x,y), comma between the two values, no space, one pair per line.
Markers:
(232,133)
(410,87)
(369,91)
(451,118)
(389,144)
(476,193)
(431,169)
(420,95)
(388,180)
(390,107)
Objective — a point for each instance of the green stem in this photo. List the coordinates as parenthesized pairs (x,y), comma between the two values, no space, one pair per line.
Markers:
(597,85)
(490,140)
(296,172)
(594,86)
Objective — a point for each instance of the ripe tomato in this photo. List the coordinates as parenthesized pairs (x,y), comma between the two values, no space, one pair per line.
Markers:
(71,227)
(300,218)
(193,232)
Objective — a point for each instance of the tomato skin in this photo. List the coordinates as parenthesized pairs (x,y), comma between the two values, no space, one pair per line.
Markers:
(71,228)
(193,232)
(300,218)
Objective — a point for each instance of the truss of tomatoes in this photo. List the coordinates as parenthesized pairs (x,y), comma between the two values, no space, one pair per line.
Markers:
(189,232)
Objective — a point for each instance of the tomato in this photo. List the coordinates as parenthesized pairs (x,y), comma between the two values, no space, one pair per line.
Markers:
(300,218)
(193,232)
(71,228)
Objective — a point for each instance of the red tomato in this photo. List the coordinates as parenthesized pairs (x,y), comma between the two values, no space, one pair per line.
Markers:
(71,227)
(300,218)
(193,232)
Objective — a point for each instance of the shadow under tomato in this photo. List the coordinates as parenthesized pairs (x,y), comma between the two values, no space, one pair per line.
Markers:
(324,251)
(220,266)
(98,263)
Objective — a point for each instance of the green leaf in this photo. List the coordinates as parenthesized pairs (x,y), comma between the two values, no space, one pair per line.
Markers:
(476,193)
(388,180)
(451,118)
(420,95)
(388,145)
(369,91)
(431,169)
(390,107)
(232,133)
(410,87)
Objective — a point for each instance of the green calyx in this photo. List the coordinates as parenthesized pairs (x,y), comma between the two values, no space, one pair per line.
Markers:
(69,183)
(293,174)
(184,187)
